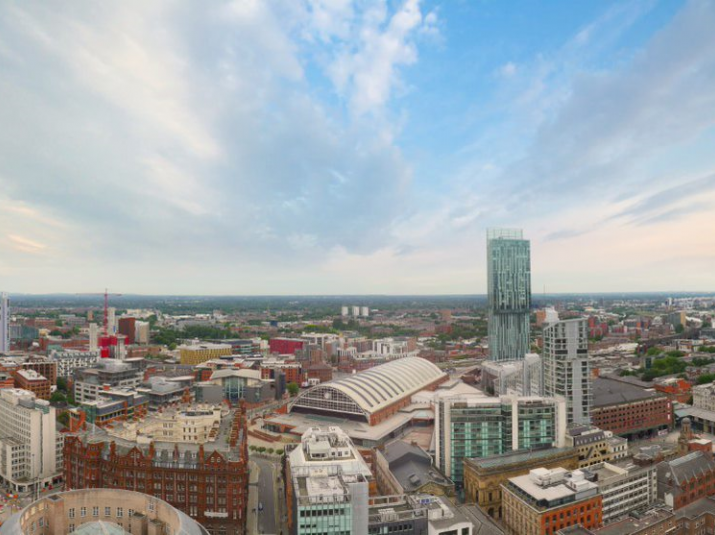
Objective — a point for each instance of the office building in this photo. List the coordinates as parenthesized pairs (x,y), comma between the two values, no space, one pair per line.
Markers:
(108,373)
(327,484)
(198,353)
(33,382)
(69,360)
(127,327)
(100,511)
(402,468)
(4,323)
(595,446)
(624,488)
(508,294)
(470,425)
(545,501)
(30,447)
(484,477)
(567,371)
(199,466)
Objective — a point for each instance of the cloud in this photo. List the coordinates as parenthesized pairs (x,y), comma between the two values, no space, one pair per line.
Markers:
(25,245)
(365,71)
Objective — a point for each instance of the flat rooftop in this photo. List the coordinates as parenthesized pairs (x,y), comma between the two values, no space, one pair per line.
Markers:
(611,392)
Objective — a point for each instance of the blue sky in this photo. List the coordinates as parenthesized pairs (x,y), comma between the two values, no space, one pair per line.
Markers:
(323,147)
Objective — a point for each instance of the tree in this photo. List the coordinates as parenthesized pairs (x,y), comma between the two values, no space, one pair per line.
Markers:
(293,389)
(58,398)
(64,418)
(62,384)
(679,328)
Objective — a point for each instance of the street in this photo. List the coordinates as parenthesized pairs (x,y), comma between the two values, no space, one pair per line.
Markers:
(264,491)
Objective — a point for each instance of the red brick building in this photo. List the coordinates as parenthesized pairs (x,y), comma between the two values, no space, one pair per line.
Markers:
(627,409)
(285,346)
(321,372)
(34,382)
(675,388)
(127,327)
(209,482)
(686,479)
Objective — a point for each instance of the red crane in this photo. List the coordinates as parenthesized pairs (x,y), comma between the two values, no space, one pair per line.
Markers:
(106,295)
(106,340)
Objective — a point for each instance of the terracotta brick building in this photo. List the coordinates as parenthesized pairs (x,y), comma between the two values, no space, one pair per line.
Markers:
(546,501)
(34,382)
(207,481)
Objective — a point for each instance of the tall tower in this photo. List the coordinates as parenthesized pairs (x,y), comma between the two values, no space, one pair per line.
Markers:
(567,370)
(4,323)
(509,293)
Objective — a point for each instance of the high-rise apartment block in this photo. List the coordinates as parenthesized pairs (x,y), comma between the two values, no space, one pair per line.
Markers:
(4,323)
(508,293)
(567,371)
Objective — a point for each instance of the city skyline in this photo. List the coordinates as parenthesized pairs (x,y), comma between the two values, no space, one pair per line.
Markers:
(310,148)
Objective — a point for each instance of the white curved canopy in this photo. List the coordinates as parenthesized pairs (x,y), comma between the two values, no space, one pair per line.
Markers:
(374,389)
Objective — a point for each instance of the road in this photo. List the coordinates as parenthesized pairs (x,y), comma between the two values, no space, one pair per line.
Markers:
(267,495)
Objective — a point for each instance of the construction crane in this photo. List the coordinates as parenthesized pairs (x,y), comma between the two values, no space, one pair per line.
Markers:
(106,295)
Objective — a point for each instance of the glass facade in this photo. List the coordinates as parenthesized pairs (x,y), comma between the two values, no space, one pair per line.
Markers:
(508,293)
(470,429)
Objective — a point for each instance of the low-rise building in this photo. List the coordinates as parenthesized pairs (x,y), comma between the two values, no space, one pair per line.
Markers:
(624,487)
(545,501)
(629,410)
(108,373)
(686,479)
(402,468)
(595,446)
(483,478)
(34,382)
(197,353)
(68,360)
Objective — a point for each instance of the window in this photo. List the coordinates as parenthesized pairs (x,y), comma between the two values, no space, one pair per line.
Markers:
(107,511)
(70,513)
(83,512)
(120,512)
(95,511)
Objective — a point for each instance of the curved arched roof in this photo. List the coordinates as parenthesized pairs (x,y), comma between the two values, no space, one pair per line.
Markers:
(382,385)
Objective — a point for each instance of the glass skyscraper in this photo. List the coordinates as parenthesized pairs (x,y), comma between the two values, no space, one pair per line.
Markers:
(509,293)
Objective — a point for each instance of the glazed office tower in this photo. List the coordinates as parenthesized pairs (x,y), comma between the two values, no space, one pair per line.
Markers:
(509,293)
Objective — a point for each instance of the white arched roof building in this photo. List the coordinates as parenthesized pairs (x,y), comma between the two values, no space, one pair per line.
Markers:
(364,394)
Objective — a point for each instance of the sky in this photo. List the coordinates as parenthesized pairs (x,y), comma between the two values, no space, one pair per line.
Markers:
(355,147)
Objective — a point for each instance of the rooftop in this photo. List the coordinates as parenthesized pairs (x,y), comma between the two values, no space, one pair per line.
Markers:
(611,392)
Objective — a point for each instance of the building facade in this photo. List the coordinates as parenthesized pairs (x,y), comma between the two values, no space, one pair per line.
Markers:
(30,446)
(546,501)
(628,410)
(686,479)
(508,293)
(484,477)
(567,371)
(207,480)
(100,511)
(469,426)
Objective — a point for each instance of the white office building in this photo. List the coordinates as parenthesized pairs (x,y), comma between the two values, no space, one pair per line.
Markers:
(30,446)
